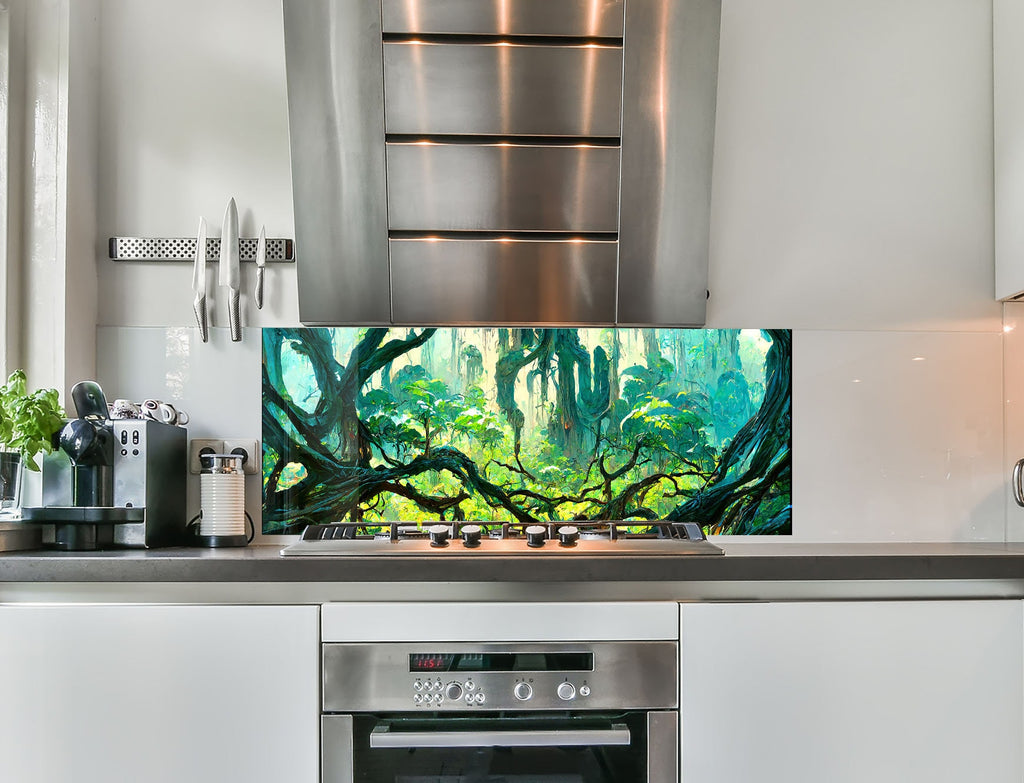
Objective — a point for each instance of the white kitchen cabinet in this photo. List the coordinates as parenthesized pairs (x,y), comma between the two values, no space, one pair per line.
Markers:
(159,694)
(1008,133)
(857,692)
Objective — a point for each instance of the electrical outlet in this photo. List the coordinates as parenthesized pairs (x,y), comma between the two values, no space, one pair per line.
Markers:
(197,446)
(251,449)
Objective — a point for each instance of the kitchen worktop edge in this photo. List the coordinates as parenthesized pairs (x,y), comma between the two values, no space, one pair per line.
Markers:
(743,562)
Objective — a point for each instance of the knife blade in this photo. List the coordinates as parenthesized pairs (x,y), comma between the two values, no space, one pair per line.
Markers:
(199,282)
(229,274)
(261,262)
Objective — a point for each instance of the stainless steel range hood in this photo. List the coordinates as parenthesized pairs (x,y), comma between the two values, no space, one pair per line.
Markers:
(502,161)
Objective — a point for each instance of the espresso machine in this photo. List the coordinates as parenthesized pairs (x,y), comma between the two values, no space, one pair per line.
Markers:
(112,483)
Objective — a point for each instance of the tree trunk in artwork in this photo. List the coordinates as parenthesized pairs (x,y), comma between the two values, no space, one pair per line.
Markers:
(513,355)
(755,469)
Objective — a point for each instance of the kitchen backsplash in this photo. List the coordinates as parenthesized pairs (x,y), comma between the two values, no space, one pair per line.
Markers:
(898,435)
(497,424)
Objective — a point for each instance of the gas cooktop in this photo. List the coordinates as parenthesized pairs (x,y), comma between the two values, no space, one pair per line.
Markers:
(506,539)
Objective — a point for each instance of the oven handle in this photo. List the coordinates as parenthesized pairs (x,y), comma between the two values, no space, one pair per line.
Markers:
(383,737)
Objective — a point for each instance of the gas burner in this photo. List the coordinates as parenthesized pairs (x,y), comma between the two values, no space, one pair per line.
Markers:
(567,538)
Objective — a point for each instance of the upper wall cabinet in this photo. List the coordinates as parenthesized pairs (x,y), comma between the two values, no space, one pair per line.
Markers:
(502,161)
(1008,105)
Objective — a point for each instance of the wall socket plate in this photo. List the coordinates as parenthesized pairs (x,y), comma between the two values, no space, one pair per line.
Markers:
(196,446)
(251,447)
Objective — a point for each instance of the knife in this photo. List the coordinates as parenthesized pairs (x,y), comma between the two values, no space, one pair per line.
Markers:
(229,275)
(199,281)
(261,262)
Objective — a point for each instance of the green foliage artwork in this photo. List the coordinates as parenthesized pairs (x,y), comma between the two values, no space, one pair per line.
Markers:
(371,425)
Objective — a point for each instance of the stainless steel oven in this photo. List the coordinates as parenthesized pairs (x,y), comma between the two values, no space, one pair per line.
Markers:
(520,712)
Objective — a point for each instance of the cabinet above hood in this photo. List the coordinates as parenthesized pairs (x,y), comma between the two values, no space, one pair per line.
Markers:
(539,162)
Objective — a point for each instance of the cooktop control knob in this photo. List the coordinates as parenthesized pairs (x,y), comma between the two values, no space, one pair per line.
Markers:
(568,535)
(535,535)
(453,692)
(522,691)
(566,691)
(471,535)
(438,535)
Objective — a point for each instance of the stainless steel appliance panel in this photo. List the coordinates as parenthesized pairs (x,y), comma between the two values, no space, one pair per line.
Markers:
(502,187)
(502,89)
(150,472)
(662,742)
(670,81)
(336,122)
(493,281)
(336,752)
(596,18)
(376,678)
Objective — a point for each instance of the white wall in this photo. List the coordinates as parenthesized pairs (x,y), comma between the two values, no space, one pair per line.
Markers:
(193,108)
(852,202)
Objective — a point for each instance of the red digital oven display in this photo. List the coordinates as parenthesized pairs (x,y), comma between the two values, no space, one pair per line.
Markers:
(430,662)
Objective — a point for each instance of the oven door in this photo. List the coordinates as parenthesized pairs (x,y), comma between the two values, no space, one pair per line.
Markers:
(630,747)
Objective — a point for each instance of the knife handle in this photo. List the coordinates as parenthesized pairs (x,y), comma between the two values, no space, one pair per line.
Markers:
(199,306)
(234,317)
(258,294)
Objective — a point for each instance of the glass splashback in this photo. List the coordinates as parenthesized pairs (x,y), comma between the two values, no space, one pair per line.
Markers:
(375,425)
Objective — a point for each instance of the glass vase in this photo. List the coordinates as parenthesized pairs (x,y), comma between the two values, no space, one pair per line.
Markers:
(11,469)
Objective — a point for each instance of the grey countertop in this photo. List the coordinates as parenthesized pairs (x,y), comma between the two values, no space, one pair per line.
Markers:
(743,562)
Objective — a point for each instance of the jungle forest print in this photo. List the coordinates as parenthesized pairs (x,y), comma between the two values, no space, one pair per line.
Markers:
(372,425)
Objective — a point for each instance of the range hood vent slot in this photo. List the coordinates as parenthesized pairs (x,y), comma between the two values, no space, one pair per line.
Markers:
(571,18)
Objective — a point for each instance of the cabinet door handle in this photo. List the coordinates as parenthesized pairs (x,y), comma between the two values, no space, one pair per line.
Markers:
(1018,487)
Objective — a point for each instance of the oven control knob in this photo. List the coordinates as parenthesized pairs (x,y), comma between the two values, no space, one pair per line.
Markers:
(584,690)
(535,535)
(566,691)
(522,691)
(453,692)
(568,535)
(438,535)
(471,535)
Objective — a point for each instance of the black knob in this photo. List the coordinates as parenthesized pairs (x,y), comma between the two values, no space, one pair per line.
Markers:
(471,535)
(568,535)
(438,535)
(535,535)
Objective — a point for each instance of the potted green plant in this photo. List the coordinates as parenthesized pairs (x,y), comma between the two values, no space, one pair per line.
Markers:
(28,423)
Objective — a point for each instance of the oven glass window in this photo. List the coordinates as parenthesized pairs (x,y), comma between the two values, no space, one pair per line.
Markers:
(598,749)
